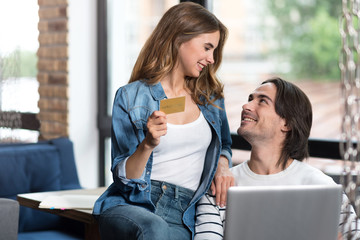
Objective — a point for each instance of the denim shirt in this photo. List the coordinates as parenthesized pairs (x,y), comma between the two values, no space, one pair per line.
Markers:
(133,104)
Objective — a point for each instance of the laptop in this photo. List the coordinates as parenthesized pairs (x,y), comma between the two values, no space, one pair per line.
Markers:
(301,212)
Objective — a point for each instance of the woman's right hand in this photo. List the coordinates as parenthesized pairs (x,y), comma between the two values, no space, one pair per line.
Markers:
(156,126)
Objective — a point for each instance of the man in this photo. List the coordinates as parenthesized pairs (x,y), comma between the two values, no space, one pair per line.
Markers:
(276,121)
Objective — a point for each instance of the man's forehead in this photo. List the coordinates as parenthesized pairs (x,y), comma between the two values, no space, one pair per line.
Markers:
(267,89)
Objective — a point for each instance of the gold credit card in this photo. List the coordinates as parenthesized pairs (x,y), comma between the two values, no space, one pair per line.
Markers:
(172,105)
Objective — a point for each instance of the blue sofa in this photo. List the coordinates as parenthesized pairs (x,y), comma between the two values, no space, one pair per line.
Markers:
(39,167)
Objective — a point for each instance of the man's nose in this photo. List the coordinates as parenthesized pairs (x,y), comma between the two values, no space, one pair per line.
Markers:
(247,106)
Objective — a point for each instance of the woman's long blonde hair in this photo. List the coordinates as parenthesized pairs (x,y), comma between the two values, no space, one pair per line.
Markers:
(159,55)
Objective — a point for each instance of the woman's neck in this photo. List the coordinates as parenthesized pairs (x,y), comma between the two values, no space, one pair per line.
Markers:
(174,86)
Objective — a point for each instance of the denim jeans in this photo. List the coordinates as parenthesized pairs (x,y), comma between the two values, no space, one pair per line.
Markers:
(132,222)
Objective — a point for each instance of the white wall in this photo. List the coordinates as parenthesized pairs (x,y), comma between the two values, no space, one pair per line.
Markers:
(82,89)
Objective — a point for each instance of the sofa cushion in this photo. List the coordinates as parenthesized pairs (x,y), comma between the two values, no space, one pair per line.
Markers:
(69,178)
(31,168)
(37,167)
(9,212)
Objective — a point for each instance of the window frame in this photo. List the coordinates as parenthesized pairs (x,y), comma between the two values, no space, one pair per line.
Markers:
(321,148)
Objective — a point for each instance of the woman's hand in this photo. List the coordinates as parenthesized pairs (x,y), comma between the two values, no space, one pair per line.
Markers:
(156,126)
(223,179)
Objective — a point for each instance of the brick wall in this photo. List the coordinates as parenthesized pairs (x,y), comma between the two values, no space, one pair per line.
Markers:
(53,68)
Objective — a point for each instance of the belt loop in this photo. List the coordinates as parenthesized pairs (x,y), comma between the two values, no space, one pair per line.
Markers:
(176,192)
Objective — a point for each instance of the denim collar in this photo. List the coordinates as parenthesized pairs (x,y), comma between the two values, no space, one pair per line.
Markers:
(157,91)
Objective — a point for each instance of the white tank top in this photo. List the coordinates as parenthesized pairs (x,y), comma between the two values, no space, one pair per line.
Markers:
(180,156)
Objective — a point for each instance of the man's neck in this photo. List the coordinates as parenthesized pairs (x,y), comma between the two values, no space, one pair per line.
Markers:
(263,160)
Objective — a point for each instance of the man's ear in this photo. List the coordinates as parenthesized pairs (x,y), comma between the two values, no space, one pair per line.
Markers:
(285,127)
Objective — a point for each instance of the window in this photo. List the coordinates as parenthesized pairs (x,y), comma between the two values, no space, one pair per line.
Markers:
(296,40)
(129,23)
(18,83)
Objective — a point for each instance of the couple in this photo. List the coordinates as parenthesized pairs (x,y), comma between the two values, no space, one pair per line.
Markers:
(162,165)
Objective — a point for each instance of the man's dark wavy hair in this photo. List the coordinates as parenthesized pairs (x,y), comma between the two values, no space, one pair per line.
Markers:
(292,104)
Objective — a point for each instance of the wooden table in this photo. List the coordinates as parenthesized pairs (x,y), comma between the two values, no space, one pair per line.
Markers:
(85,216)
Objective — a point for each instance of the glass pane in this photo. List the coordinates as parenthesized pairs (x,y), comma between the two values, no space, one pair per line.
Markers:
(18,47)
(296,40)
(130,22)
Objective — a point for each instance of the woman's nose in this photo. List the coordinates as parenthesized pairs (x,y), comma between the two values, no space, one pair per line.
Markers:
(210,59)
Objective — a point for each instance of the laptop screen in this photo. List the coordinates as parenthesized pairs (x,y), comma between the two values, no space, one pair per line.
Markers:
(300,212)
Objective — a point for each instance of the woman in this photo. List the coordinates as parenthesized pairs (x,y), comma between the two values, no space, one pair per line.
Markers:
(163,164)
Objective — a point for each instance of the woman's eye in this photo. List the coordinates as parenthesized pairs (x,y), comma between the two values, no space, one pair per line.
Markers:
(207,49)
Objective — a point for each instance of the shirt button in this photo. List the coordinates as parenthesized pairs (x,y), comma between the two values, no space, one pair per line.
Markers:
(212,122)
(164,187)
(148,172)
(147,190)
(143,186)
